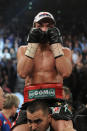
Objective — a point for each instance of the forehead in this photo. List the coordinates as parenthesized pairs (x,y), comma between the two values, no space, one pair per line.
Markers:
(36,115)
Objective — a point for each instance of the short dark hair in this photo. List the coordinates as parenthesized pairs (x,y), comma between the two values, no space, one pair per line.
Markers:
(37,105)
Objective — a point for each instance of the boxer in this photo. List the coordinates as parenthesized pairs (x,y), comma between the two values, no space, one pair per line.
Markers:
(44,62)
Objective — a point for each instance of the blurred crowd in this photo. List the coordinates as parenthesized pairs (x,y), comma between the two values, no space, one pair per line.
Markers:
(77,81)
(9,42)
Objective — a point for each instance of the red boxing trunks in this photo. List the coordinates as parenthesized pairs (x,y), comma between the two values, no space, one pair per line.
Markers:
(42,91)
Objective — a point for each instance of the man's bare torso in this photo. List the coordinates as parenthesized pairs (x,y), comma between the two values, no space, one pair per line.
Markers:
(44,68)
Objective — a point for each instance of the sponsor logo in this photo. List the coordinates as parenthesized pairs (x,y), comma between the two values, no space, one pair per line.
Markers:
(41,93)
(55,110)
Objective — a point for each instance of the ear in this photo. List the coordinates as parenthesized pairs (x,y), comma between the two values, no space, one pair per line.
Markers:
(13,108)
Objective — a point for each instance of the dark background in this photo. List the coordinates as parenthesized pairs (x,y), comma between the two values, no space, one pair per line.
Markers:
(66,12)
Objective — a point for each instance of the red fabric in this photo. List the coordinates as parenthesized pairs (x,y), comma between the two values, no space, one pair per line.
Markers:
(8,122)
(57,87)
(0,123)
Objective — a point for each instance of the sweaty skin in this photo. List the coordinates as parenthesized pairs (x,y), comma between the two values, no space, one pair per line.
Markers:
(44,68)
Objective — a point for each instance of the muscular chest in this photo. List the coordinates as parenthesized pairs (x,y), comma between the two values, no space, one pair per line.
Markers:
(44,61)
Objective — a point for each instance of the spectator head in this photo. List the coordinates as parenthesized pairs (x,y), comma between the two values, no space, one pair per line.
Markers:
(68,97)
(67,93)
(11,103)
(38,116)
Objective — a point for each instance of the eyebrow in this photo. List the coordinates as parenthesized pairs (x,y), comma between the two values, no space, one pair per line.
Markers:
(38,120)
(34,121)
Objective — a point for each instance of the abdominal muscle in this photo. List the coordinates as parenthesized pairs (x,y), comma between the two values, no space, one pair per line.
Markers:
(43,78)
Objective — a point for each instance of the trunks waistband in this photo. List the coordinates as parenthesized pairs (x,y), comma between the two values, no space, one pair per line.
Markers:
(42,91)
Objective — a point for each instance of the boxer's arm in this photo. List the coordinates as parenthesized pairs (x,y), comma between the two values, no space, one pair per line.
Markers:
(62,56)
(64,63)
(24,63)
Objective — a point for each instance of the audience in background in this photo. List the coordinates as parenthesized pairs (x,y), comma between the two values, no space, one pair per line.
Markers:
(10,107)
(67,95)
(19,93)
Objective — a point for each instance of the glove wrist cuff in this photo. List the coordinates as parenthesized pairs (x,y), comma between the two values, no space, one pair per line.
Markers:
(31,49)
(57,50)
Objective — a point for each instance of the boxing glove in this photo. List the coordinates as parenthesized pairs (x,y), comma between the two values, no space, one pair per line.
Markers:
(55,41)
(61,112)
(36,36)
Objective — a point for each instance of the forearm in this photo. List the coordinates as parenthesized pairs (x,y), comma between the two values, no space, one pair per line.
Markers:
(24,63)
(64,66)
(24,66)
(63,63)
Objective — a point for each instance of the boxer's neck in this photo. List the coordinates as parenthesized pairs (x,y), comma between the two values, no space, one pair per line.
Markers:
(44,47)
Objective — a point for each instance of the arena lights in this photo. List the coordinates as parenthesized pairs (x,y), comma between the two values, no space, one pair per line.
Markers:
(59,12)
(30,5)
